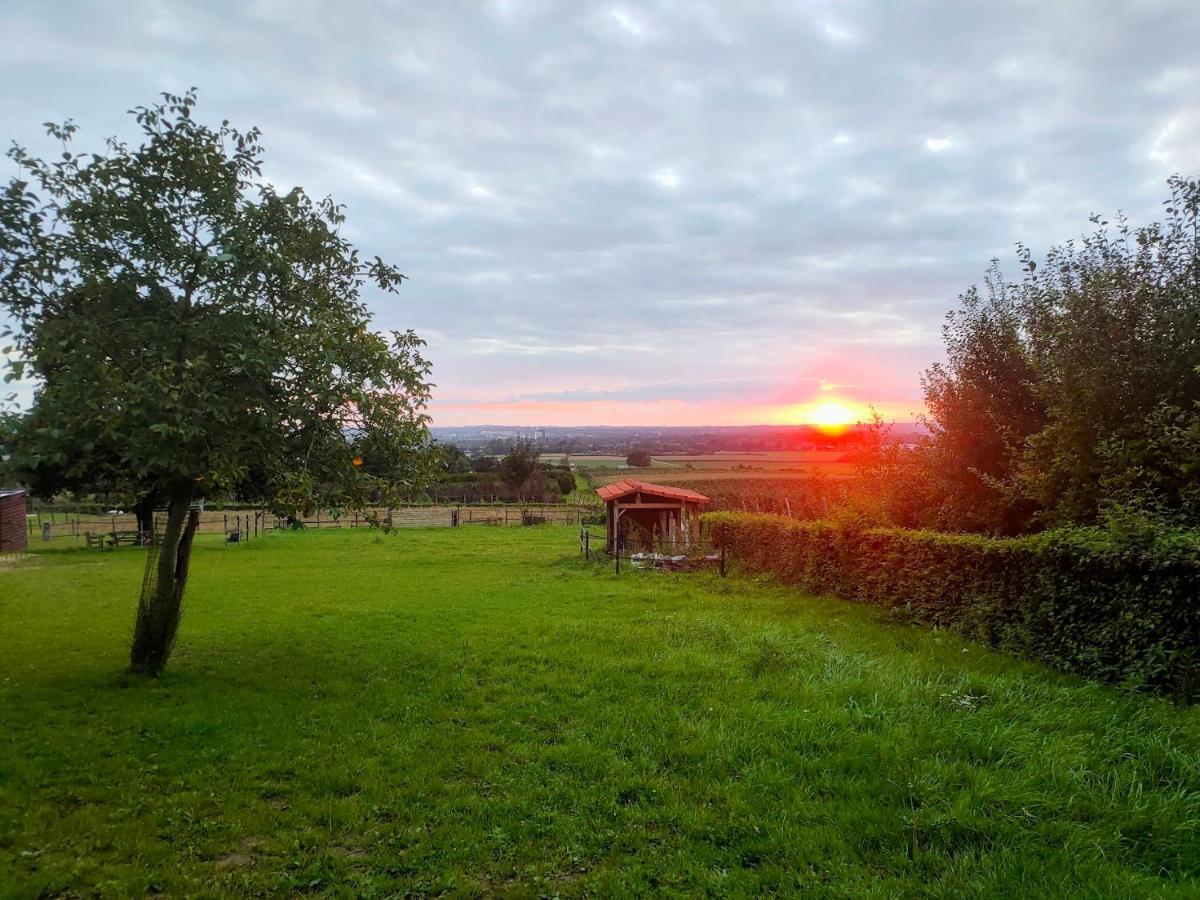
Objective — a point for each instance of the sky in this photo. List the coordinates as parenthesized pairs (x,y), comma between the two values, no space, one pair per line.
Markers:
(659,213)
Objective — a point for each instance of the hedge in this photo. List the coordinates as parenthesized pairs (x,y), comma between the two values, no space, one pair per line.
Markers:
(1117,607)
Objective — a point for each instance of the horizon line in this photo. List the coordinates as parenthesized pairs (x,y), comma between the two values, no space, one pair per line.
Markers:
(598,425)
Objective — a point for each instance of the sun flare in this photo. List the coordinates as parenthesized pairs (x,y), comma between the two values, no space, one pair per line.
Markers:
(831,413)
(828,415)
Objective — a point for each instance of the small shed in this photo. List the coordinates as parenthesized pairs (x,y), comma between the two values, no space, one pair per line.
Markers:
(12,521)
(642,514)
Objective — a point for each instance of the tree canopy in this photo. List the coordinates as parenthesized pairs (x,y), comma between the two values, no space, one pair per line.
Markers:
(520,463)
(1074,390)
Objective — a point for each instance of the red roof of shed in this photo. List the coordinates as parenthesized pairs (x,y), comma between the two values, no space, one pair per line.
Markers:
(619,489)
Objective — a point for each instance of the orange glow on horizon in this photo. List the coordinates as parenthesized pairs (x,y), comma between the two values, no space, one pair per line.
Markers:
(824,411)
(832,413)
(831,416)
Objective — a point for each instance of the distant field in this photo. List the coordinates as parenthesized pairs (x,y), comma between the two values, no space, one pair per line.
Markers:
(593,462)
(807,495)
(677,476)
(670,467)
(774,459)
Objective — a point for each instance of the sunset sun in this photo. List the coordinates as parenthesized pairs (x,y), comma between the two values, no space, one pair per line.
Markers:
(828,415)
(831,413)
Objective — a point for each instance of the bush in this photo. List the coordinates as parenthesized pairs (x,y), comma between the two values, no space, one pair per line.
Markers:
(1114,604)
(639,458)
(564,479)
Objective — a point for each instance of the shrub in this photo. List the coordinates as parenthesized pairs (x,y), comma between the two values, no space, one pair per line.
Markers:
(1115,604)
(564,479)
(639,458)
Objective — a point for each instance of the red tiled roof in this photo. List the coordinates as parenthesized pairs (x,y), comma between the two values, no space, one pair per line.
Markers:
(626,486)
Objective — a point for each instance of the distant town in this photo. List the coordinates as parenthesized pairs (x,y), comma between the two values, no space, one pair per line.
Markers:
(617,439)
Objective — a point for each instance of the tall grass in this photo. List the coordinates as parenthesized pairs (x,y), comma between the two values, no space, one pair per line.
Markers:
(477,712)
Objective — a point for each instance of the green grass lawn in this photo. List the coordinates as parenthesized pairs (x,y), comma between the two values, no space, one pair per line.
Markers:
(477,712)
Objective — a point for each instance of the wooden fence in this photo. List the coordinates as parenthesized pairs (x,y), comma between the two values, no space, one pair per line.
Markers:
(452,515)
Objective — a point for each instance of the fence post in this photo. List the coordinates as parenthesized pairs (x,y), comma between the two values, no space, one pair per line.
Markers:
(722,560)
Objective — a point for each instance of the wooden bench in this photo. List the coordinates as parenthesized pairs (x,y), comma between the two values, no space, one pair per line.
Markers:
(131,538)
(94,541)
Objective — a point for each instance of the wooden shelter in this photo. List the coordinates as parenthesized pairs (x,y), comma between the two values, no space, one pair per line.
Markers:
(12,520)
(641,515)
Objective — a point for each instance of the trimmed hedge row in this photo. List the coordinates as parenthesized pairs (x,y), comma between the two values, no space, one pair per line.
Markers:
(1114,607)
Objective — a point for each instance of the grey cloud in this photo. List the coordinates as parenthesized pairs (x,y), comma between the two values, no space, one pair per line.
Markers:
(746,191)
(728,389)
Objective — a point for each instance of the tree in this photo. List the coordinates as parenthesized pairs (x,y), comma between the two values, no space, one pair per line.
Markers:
(880,490)
(484,464)
(59,356)
(187,322)
(519,464)
(454,459)
(396,466)
(563,479)
(638,458)
(1075,388)
(982,408)
(10,423)
(1113,325)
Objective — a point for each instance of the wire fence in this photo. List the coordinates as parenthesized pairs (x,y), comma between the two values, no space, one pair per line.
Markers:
(95,528)
(684,553)
(117,528)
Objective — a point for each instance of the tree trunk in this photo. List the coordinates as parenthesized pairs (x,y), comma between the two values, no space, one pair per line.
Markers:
(161,603)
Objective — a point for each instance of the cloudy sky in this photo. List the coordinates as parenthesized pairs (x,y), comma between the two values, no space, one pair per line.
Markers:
(673,212)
